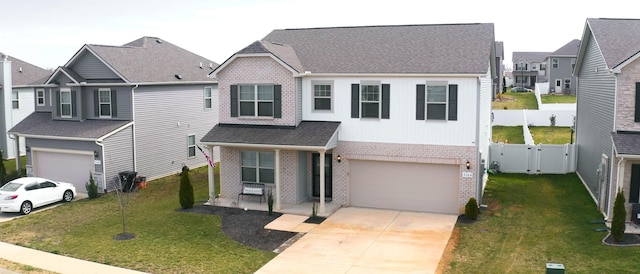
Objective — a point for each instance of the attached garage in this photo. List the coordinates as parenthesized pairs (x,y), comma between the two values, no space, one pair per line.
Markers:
(404,186)
(66,166)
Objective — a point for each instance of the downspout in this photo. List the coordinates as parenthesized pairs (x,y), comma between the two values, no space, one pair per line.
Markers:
(133,114)
(102,163)
(479,176)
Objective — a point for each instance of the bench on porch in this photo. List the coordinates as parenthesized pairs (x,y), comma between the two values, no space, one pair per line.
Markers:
(252,189)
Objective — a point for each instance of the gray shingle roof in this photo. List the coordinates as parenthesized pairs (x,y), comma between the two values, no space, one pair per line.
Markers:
(308,133)
(500,49)
(569,49)
(626,143)
(618,39)
(153,60)
(536,57)
(452,48)
(41,124)
(30,75)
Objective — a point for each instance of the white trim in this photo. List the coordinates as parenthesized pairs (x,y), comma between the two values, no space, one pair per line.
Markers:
(115,131)
(44,97)
(62,115)
(140,84)
(100,103)
(55,74)
(379,101)
(66,151)
(190,145)
(205,98)
(15,99)
(268,146)
(315,83)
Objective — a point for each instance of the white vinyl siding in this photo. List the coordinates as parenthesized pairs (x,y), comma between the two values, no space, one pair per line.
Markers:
(65,103)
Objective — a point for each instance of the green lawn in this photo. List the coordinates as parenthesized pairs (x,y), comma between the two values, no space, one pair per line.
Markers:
(516,100)
(167,241)
(551,135)
(535,219)
(508,134)
(10,165)
(557,99)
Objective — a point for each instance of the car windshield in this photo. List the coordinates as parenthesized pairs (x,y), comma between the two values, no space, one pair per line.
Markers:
(10,187)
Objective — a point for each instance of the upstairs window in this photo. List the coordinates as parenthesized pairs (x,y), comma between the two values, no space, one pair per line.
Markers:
(40,97)
(261,100)
(258,167)
(543,66)
(208,103)
(437,101)
(191,146)
(573,63)
(66,107)
(15,99)
(322,96)
(104,101)
(554,62)
(370,100)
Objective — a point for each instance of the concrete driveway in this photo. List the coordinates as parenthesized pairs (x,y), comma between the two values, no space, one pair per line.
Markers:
(359,240)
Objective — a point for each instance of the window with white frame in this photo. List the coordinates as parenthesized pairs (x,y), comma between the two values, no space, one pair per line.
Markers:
(258,166)
(543,66)
(65,103)
(256,100)
(573,63)
(208,102)
(104,102)
(191,145)
(322,96)
(15,99)
(436,101)
(554,63)
(567,83)
(40,97)
(370,100)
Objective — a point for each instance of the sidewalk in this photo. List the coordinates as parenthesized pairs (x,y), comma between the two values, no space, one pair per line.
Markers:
(55,263)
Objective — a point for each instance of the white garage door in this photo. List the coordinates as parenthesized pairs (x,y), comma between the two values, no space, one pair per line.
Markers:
(404,186)
(65,167)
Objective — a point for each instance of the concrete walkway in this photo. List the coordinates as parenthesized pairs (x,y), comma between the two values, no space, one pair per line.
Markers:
(359,240)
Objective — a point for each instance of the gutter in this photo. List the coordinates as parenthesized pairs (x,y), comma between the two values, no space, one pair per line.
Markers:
(55,137)
(84,84)
(268,146)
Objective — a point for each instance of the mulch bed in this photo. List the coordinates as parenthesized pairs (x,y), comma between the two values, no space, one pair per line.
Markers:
(247,226)
(315,220)
(629,240)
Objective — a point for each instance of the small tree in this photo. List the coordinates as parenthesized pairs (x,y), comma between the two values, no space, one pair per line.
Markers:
(124,194)
(471,210)
(619,216)
(3,172)
(92,187)
(552,120)
(186,189)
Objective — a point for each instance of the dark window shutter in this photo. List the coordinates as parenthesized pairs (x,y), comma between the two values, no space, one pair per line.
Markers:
(234,100)
(420,103)
(453,102)
(277,101)
(635,184)
(96,103)
(355,101)
(114,103)
(57,106)
(385,101)
(74,107)
(637,109)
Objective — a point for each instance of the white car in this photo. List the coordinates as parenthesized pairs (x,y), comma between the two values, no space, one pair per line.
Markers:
(24,194)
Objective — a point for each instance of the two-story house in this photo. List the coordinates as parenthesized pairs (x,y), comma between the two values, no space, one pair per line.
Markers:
(529,68)
(608,112)
(19,82)
(498,82)
(560,65)
(137,107)
(393,117)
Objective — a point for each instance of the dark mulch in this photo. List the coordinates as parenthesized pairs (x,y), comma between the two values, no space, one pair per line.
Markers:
(462,219)
(247,226)
(315,220)
(629,239)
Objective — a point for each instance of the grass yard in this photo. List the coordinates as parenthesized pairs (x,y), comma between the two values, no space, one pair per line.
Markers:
(551,135)
(513,134)
(166,241)
(557,99)
(10,165)
(535,219)
(516,100)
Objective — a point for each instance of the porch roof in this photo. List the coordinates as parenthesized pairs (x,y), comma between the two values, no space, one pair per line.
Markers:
(626,144)
(308,135)
(40,125)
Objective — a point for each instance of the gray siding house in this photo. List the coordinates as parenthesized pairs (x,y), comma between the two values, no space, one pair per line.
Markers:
(608,112)
(498,82)
(137,107)
(529,68)
(560,65)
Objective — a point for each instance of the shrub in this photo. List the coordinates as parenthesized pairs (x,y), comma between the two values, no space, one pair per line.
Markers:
(270,202)
(314,210)
(471,210)
(186,189)
(619,216)
(552,120)
(92,187)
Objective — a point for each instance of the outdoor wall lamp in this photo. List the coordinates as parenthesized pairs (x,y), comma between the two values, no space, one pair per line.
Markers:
(339,158)
(468,165)
(95,154)
(28,149)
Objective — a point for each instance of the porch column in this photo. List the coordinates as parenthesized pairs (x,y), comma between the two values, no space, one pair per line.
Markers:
(277,179)
(212,180)
(322,167)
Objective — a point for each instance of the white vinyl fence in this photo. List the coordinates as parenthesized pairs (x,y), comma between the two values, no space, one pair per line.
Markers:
(533,159)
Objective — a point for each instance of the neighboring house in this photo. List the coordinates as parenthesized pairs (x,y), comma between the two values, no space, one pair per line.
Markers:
(19,83)
(393,117)
(508,78)
(529,68)
(141,106)
(608,112)
(560,65)
(498,82)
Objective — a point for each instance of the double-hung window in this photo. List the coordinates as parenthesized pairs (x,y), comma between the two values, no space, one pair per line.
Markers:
(573,63)
(322,96)
(370,100)
(207,98)
(258,166)
(65,103)
(104,102)
(256,100)
(438,100)
(15,99)
(554,62)
(40,97)
(191,145)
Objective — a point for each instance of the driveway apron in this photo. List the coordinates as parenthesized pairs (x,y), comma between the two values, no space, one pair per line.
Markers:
(360,240)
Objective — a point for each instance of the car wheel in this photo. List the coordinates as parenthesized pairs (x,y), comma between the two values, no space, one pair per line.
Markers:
(26,208)
(67,196)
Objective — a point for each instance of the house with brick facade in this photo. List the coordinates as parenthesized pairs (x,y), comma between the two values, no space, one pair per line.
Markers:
(608,112)
(394,117)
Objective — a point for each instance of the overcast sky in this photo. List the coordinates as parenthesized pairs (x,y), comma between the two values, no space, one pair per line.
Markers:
(47,33)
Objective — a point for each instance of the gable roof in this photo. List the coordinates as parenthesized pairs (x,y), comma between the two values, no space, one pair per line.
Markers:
(150,60)
(26,74)
(437,49)
(531,56)
(568,50)
(617,39)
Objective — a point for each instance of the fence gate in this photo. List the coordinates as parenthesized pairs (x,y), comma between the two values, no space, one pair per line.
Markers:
(533,159)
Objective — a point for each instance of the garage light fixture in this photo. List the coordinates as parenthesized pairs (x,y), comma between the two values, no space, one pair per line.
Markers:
(339,158)
(468,165)
(28,149)
(95,154)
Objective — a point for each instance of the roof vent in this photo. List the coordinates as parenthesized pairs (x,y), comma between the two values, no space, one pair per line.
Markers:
(158,41)
(211,65)
(179,76)
(200,64)
(20,69)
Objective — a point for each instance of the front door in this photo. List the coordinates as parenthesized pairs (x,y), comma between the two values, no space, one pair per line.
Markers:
(327,175)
